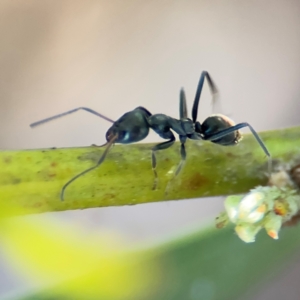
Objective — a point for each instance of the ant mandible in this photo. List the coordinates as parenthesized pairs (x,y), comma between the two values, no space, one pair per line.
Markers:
(134,126)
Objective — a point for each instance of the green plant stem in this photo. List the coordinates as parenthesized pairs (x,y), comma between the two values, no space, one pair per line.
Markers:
(33,178)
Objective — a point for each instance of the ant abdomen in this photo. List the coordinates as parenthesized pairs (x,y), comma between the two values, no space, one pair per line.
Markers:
(215,123)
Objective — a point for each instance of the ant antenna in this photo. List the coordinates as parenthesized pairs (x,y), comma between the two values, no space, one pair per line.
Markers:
(70,112)
(102,158)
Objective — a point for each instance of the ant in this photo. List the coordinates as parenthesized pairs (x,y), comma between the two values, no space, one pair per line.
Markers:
(134,126)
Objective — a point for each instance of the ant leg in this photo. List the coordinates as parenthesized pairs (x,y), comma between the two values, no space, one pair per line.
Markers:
(181,164)
(182,154)
(183,158)
(70,112)
(229,130)
(100,161)
(183,114)
(212,87)
(236,127)
(161,146)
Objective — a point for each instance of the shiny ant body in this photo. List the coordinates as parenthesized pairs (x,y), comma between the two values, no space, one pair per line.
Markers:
(134,126)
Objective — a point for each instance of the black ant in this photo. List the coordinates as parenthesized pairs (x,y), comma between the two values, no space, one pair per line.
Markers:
(134,126)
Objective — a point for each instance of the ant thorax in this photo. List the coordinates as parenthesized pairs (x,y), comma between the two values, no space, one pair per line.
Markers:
(188,126)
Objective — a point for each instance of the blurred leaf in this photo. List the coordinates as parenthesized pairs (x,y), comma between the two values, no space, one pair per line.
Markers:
(215,265)
(218,266)
(80,266)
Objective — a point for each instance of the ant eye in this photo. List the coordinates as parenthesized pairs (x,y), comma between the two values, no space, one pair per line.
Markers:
(125,136)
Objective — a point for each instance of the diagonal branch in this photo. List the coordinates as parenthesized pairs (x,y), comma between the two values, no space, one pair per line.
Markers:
(34,178)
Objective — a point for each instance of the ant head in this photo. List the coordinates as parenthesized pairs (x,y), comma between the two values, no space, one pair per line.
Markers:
(216,123)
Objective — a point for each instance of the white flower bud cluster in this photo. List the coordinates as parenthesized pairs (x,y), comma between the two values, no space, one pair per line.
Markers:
(264,207)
